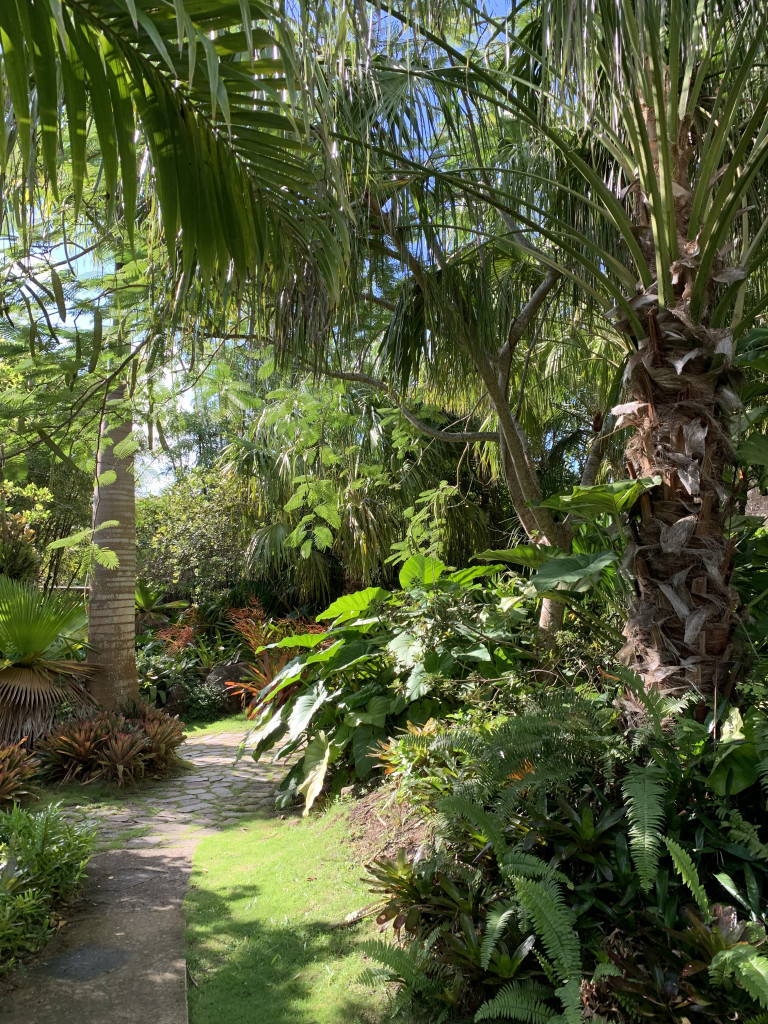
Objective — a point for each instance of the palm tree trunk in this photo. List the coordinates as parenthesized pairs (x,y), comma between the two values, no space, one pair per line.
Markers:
(111,621)
(681,391)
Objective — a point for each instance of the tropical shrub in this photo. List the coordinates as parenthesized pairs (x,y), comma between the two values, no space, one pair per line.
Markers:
(573,841)
(17,767)
(19,559)
(388,659)
(42,639)
(42,861)
(118,747)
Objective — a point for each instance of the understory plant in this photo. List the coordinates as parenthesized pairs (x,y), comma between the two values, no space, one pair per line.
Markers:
(121,747)
(387,659)
(42,861)
(42,644)
(598,856)
(17,768)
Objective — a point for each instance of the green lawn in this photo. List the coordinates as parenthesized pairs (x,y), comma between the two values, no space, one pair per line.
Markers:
(261,945)
(232,723)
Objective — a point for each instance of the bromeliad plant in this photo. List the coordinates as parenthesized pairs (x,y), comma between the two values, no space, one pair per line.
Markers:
(120,748)
(573,818)
(42,638)
(387,659)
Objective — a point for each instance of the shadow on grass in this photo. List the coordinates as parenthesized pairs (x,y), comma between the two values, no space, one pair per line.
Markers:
(279,971)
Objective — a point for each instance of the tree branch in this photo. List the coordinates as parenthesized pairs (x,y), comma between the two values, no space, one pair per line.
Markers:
(452,436)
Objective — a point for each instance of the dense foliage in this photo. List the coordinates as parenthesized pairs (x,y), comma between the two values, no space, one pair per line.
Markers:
(42,861)
(121,747)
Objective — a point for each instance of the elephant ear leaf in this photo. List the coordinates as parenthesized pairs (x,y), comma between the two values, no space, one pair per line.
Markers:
(602,499)
(421,571)
(572,571)
(315,765)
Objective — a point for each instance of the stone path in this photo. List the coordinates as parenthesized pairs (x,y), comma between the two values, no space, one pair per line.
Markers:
(121,957)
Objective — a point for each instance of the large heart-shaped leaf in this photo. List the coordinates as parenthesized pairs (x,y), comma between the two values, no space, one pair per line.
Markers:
(602,499)
(315,766)
(570,571)
(348,606)
(421,571)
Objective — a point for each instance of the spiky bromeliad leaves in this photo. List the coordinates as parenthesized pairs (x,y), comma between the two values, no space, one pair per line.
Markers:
(39,633)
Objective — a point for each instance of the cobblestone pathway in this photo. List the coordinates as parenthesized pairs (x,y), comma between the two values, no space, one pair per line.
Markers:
(212,796)
(121,956)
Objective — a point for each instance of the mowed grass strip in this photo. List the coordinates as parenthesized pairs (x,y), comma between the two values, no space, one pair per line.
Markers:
(263,943)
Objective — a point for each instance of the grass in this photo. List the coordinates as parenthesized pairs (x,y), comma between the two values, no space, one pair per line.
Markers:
(232,723)
(263,903)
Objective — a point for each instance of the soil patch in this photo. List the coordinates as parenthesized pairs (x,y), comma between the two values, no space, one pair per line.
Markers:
(379,826)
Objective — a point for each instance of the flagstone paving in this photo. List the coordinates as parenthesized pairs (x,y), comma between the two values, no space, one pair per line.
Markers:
(121,957)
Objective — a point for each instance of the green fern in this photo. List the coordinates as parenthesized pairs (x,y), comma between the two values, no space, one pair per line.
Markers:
(521,1001)
(526,865)
(644,792)
(495,926)
(552,920)
(486,823)
(406,965)
(687,871)
(747,967)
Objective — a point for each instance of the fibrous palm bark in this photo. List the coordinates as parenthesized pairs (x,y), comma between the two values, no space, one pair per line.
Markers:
(681,391)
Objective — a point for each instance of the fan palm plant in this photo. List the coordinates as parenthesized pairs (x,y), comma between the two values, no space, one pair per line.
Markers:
(40,636)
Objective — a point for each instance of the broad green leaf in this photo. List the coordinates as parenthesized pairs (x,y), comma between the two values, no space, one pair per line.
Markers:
(302,640)
(303,709)
(602,499)
(421,571)
(349,605)
(529,555)
(314,766)
(753,451)
(571,570)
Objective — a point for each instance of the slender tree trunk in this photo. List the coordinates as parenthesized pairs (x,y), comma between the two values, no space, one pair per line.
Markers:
(111,619)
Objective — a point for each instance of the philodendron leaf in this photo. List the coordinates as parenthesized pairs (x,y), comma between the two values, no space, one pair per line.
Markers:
(570,571)
(753,451)
(349,605)
(421,571)
(529,555)
(601,499)
(315,766)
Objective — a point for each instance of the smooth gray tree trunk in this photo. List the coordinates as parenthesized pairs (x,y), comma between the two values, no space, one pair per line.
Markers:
(111,619)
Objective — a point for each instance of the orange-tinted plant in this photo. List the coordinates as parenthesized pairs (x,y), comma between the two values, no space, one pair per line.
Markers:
(177,636)
(17,766)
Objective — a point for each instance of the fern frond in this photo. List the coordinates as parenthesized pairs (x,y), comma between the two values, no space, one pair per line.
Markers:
(527,865)
(606,970)
(687,871)
(553,922)
(405,965)
(747,967)
(485,822)
(644,792)
(570,997)
(495,925)
(520,1001)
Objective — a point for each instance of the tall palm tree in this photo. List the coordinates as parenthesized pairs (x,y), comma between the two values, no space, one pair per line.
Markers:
(628,159)
(198,102)
(111,604)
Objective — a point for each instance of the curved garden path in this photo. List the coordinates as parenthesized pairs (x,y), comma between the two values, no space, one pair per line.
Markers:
(121,956)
